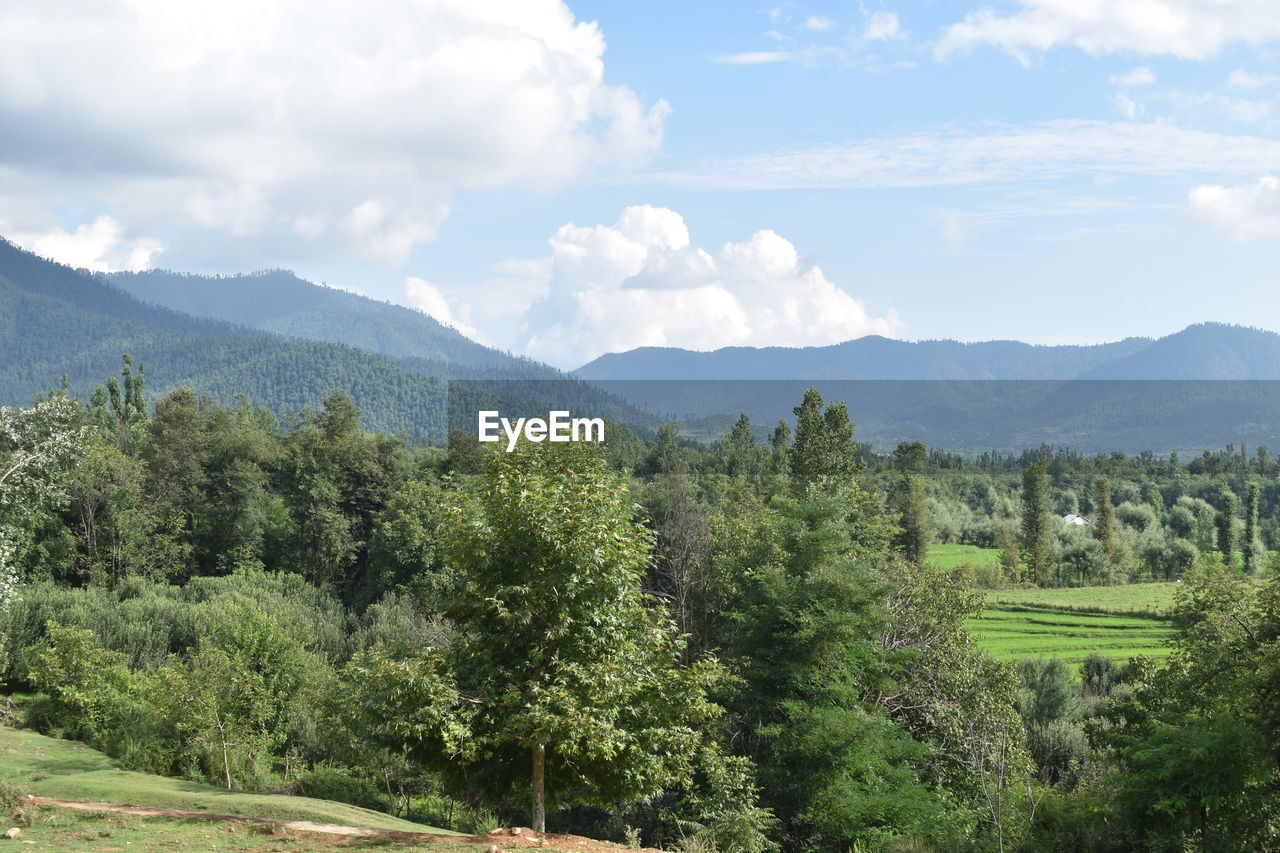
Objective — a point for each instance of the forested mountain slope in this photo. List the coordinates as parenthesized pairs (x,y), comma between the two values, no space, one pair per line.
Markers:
(56,321)
(280,302)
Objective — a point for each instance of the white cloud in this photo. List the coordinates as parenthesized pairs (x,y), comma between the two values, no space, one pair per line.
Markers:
(641,282)
(1241,79)
(818,23)
(756,57)
(1141,76)
(310,126)
(1245,212)
(1188,29)
(1198,105)
(956,156)
(883,26)
(1127,106)
(954,226)
(424,296)
(100,246)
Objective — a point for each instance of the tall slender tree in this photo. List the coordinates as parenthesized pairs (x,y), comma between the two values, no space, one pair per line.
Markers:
(1252,547)
(1104,518)
(1225,522)
(1035,522)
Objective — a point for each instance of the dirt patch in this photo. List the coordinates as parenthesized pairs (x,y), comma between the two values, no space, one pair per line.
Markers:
(522,836)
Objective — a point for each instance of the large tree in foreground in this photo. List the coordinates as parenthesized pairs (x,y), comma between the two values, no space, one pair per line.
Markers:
(563,678)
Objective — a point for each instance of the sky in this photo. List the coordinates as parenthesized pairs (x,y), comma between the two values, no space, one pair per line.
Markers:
(565,179)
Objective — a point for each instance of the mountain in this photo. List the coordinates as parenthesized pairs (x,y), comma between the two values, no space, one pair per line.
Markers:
(1131,395)
(279,302)
(56,321)
(1205,351)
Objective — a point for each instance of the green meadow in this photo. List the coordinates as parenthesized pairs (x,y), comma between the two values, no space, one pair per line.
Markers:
(1116,621)
(954,556)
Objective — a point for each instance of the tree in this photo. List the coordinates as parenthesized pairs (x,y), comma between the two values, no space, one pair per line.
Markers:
(834,767)
(1104,518)
(913,518)
(38,449)
(1035,521)
(1225,523)
(738,449)
(824,448)
(1254,554)
(564,667)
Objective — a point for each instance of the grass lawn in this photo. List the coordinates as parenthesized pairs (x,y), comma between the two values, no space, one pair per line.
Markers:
(66,770)
(1117,621)
(951,556)
(65,831)
(1130,599)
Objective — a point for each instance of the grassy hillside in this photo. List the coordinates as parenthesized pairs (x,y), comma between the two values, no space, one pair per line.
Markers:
(66,770)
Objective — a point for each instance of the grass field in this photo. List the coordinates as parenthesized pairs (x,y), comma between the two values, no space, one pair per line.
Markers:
(1117,621)
(1131,599)
(66,770)
(63,831)
(951,556)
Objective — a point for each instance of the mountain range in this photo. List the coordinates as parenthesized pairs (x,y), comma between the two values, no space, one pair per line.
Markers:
(270,338)
(280,341)
(1203,351)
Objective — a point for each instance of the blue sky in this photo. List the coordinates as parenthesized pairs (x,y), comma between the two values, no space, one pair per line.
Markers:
(565,180)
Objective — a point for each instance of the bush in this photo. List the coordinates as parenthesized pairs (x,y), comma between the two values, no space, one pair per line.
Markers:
(148,621)
(325,783)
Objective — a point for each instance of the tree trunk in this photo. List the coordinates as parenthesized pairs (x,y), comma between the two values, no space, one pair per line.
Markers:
(539,792)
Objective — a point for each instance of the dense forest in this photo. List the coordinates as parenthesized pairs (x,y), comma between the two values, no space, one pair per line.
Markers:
(735,647)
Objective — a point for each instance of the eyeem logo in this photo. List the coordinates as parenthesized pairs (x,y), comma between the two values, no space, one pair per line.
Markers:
(557,427)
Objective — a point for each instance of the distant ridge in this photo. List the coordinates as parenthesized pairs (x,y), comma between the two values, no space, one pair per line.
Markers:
(1202,351)
(279,302)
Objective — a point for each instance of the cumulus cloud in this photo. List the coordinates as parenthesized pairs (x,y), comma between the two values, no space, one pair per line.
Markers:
(314,126)
(424,296)
(1187,29)
(1245,212)
(100,246)
(641,282)
(819,23)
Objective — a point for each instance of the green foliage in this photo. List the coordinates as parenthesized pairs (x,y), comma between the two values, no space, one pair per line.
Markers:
(1035,523)
(555,640)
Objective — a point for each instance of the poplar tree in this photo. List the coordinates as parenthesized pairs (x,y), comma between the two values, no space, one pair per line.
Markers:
(1104,518)
(1225,522)
(1035,521)
(1253,553)
(824,447)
